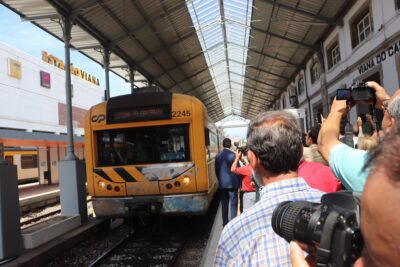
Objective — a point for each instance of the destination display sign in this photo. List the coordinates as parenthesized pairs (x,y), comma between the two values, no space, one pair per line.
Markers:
(139,114)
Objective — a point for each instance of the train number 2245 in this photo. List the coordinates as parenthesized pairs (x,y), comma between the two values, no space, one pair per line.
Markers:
(181,113)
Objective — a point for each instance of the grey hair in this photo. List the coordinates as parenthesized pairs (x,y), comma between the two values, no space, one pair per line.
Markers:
(394,108)
(276,139)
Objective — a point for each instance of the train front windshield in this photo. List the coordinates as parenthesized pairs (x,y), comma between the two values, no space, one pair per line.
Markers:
(142,145)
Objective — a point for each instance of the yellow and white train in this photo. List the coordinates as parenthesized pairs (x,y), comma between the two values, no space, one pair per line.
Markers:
(26,161)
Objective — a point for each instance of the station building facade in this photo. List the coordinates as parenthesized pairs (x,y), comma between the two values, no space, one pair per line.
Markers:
(33,104)
(366,47)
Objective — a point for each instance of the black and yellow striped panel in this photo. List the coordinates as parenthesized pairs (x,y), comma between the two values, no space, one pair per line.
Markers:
(120,174)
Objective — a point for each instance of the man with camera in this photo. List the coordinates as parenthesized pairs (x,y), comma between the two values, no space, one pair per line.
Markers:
(347,163)
(228,183)
(380,217)
(275,148)
(248,188)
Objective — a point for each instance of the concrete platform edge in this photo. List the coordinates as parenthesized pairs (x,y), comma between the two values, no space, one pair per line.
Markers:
(41,255)
(216,230)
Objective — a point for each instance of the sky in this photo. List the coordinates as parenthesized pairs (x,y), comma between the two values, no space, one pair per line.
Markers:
(16,33)
(32,40)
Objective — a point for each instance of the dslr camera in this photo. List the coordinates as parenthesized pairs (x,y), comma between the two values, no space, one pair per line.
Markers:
(243,150)
(357,92)
(331,227)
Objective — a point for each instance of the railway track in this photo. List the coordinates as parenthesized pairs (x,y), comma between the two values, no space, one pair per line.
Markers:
(40,217)
(36,215)
(151,245)
(157,241)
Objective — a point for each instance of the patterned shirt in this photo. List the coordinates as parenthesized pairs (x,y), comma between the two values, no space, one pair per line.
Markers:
(249,240)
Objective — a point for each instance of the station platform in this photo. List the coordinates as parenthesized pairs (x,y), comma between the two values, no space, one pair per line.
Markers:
(39,256)
(209,252)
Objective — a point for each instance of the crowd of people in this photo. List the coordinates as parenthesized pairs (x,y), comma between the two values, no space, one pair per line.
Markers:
(286,169)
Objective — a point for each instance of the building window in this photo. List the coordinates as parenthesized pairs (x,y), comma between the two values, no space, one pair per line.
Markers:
(333,55)
(300,86)
(314,73)
(293,101)
(361,27)
(397,2)
(364,28)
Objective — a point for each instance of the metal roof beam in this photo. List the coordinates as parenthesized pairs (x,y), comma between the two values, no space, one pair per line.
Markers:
(158,37)
(181,63)
(39,17)
(198,86)
(119,66)
(118,21)
(96,46)
(147,23)
(268,84)
(253,67)
(214,93)
(271,73)
(258,90)
(276,58)
(222,14)
(258,81)
(84,6)
(63,10)
(248,100)
(188,77)
(311,47)
(199,53)
(263,95)
(327,20)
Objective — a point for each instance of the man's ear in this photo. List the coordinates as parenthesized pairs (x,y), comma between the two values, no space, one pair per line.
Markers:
(253,160)
(392,121)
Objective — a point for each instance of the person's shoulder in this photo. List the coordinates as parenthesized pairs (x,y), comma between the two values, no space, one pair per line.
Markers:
(343,150)
(243,227)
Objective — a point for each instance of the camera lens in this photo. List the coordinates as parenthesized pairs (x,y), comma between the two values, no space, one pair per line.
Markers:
(296,221)
(331,227)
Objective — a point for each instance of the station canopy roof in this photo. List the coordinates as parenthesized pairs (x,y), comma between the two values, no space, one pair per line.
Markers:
(236,56)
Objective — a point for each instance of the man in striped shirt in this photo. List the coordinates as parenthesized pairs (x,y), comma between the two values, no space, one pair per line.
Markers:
(274,140)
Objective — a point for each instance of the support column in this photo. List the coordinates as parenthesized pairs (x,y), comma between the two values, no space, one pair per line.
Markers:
(10,231)
(106,65)
(67,42)
(71,170)
(132,78)
(2,160)
(323,89)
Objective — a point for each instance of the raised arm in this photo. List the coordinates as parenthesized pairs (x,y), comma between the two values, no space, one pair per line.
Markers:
(329,134)
(238,155)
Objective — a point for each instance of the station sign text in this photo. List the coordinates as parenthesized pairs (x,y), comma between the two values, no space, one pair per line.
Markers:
(380,57)
(55,61)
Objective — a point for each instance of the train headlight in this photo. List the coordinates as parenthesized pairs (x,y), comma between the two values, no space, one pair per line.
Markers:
(102,184)
(186,180)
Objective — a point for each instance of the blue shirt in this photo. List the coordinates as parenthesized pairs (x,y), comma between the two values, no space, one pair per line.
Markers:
(347,164)
(249,240)
(223,163)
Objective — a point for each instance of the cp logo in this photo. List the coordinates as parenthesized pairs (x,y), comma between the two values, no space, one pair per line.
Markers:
(98,118)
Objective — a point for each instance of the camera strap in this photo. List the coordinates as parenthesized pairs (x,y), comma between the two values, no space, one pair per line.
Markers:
(324,249)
